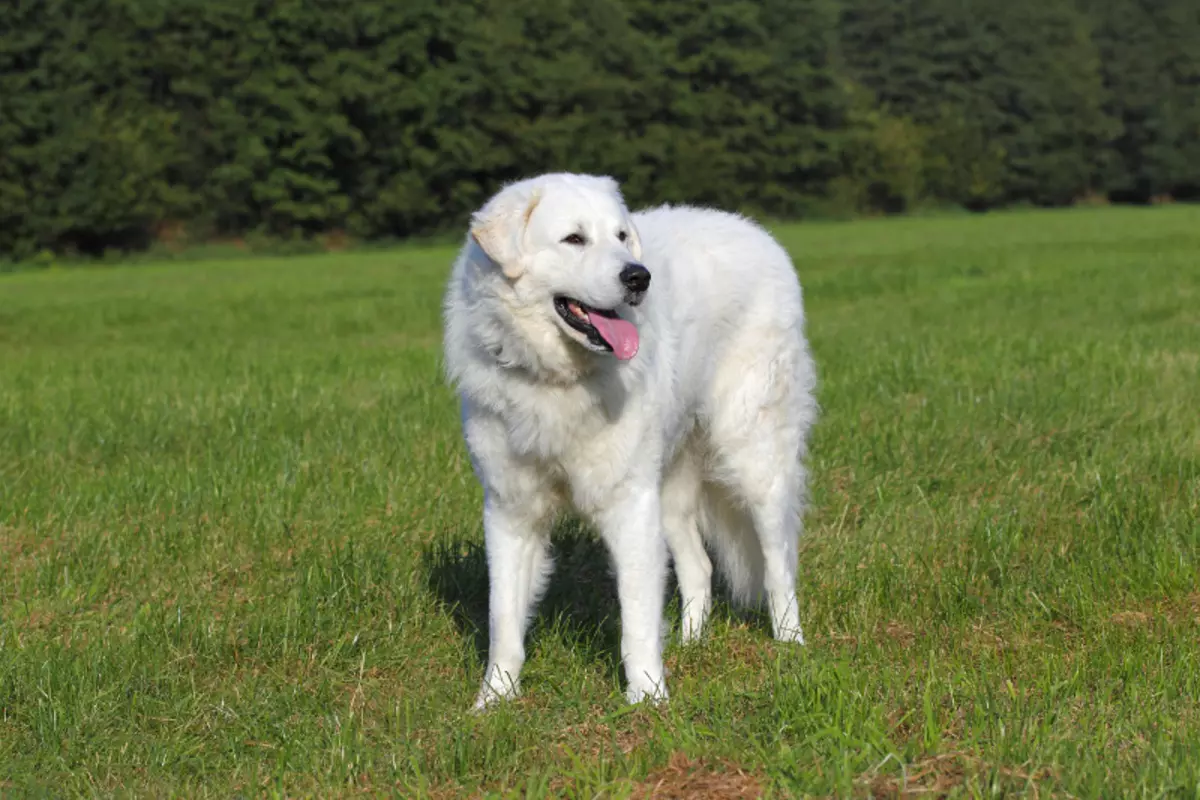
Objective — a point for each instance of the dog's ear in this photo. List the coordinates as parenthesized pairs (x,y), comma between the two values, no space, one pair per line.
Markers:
(634,242)
(499,227)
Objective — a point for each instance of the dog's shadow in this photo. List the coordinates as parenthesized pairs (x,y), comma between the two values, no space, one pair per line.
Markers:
(580,605)
(580,600)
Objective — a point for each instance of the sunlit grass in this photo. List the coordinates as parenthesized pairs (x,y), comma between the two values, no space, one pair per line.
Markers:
(240,547)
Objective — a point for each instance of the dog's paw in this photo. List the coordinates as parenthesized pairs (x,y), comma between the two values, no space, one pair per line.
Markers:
(489,698)
(785,617)
(646,691)
(692,628)
(790,634)
(498,686)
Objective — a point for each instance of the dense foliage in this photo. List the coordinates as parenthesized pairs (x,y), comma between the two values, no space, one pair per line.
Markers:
(127,121)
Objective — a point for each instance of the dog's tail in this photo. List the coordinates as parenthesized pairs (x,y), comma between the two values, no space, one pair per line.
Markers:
(728,529)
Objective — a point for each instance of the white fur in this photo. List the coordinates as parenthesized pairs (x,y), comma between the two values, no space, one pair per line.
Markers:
(700,438)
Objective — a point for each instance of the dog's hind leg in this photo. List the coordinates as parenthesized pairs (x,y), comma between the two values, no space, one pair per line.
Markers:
(519,565)
(776,518)
(759,434)
(693,570)
(773,500)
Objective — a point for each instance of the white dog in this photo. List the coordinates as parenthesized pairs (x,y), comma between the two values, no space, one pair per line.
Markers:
(649,370)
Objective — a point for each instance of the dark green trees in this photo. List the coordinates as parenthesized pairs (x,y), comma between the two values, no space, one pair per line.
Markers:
(1149,55)
(123,119)
(1009,96)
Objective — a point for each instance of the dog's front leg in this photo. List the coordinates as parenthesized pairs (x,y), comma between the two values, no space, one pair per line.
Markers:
(518,566)
(632,529)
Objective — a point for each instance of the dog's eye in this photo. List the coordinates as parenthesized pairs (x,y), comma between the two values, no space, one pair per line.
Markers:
(575,239)
(622,236)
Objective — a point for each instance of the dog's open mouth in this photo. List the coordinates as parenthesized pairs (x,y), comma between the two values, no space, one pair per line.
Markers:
(604,329)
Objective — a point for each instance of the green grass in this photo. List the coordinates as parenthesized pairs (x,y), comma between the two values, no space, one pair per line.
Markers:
(240,546)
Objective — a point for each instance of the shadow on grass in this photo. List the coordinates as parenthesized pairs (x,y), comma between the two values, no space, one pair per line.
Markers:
(579,606)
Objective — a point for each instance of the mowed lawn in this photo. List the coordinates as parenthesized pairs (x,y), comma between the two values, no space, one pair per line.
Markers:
(240,541)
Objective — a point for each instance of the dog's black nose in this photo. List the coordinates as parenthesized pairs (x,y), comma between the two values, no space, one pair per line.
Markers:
(635,277)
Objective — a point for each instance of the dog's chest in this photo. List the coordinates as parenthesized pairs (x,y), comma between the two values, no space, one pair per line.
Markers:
(547,422)
(584,437)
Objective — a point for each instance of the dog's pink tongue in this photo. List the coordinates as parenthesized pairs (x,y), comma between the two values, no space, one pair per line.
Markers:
(620,334)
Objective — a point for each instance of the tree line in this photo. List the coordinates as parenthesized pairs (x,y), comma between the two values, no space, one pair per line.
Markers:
(124,121)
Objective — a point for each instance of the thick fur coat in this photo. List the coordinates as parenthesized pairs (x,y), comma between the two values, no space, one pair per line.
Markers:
(649,371)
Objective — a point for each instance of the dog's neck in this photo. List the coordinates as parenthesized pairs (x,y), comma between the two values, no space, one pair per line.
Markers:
(557,361)
(505,332)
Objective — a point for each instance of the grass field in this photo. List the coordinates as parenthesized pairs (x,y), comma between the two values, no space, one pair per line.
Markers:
(240,546)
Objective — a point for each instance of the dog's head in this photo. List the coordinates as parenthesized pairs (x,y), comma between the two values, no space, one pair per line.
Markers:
(567,246)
